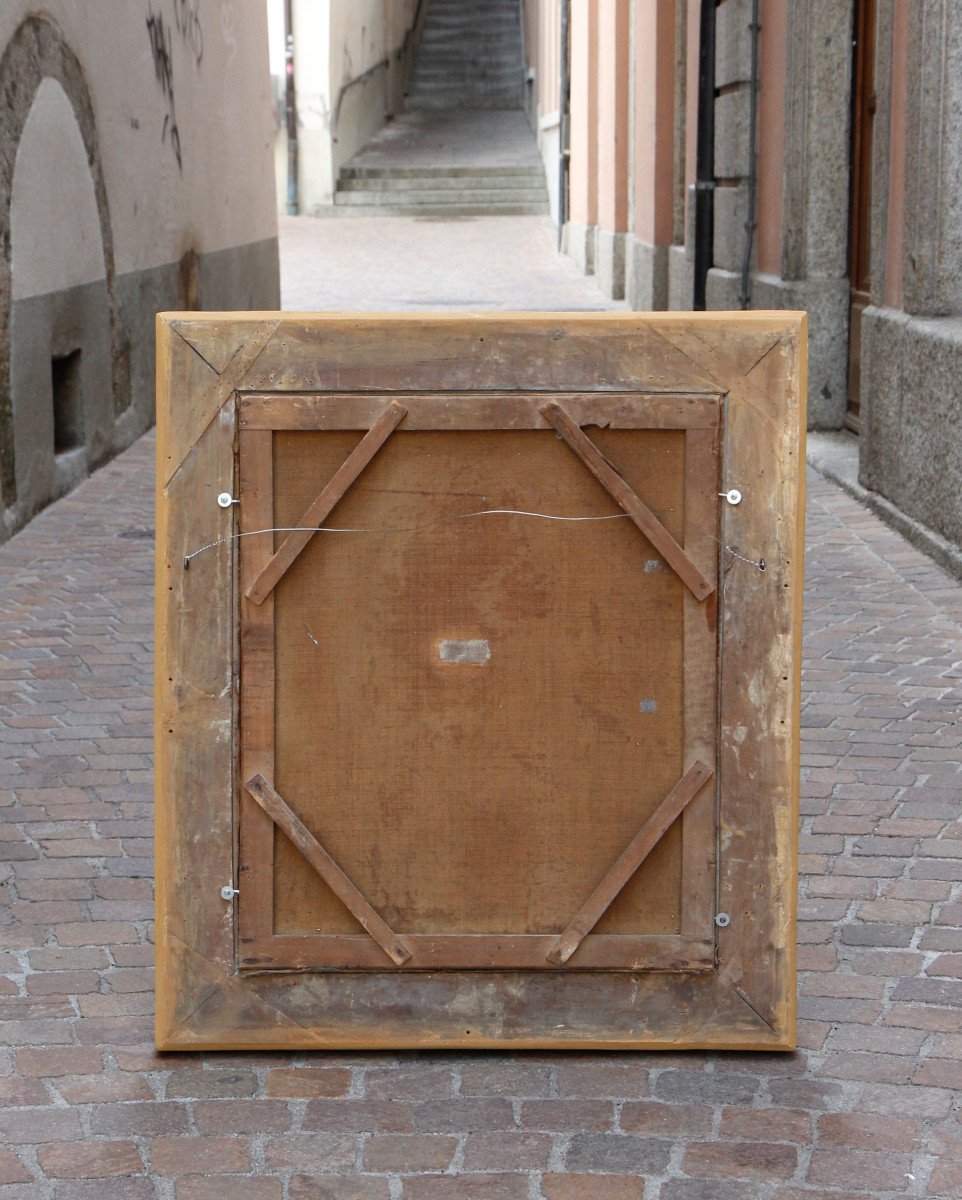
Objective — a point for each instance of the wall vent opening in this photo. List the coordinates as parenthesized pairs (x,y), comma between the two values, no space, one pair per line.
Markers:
(67,404)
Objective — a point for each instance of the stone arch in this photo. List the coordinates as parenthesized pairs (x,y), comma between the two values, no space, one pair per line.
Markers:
(38,51)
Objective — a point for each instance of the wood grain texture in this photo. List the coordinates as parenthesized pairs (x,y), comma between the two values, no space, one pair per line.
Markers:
(748,1000)
(481,951)
(639,512)
(255,870)
(329,497)
(478,410)
(187,419)
(764,369)
(193,685)
(701,667)
(530,352)
(628,862)
(301,837)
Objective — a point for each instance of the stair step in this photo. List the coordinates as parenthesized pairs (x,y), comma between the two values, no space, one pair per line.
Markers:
(532,172)
(441,103)
(478,87)
(502,18)
(433,210)
(441,39)
(446,199)
(406,184)
(454,71)
(469,54)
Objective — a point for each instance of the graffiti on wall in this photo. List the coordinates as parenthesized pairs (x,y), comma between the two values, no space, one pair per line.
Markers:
(161,33)
(187,20)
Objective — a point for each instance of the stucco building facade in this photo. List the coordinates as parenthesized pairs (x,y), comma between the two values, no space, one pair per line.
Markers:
(136,175)
(781,154)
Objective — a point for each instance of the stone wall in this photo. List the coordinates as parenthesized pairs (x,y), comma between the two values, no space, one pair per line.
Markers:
(911,440)
(135,176)
(810,267)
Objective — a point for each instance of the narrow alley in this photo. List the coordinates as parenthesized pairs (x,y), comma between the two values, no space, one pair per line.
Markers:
(505,156)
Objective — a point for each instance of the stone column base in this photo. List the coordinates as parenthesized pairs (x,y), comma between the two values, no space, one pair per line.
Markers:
(911,425)
(610,263)
(681,279)
(578,242)
(646,276)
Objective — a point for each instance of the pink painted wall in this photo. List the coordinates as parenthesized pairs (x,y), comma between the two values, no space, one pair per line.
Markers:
(583,135)
(654,102)
(614,20)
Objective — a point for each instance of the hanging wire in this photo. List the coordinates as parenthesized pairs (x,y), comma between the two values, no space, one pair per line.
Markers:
(759,564)
(483,512)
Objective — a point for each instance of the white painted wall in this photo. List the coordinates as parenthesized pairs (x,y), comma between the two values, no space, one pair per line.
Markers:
(54,225)
(221,195)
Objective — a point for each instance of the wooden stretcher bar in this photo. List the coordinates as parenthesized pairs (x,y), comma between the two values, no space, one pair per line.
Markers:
(631,858)
(622,494)
(294,828)
(354,464)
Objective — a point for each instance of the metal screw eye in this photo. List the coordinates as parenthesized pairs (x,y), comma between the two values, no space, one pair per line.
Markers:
(722,920)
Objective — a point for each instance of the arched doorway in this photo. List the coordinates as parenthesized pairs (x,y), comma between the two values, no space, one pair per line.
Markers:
(35,54)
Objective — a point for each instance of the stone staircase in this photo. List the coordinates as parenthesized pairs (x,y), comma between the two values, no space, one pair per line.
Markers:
(470,56)
(440,191)
(463,147)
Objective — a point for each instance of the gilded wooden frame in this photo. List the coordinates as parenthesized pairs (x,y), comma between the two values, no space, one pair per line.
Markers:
(215,372)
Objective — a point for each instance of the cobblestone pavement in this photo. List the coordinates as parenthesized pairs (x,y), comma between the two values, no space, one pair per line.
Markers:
(869,1108)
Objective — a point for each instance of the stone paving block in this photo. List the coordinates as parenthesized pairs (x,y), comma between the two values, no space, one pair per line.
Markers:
(89,1160)
(12,1169)
(241,1188)
(199,1156)
(568,1115)
(617,1153)
(305,1082)
(592,1187)
(740,1160)
(302,1152)
(507,1151)
(368,1187)
(408,1152)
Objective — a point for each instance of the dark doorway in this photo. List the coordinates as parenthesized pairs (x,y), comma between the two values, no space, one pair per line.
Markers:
(860,210)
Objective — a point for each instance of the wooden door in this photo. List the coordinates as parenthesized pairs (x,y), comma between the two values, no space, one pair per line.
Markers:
(477,686)
(860,212)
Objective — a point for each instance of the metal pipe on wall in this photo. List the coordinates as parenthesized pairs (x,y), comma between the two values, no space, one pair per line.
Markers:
(564,117)
(290,99)
(704,186)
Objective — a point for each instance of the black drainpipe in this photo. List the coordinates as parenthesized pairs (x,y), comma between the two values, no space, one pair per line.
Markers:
(564,107)
(745,297)
(293,202)
(705,154)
